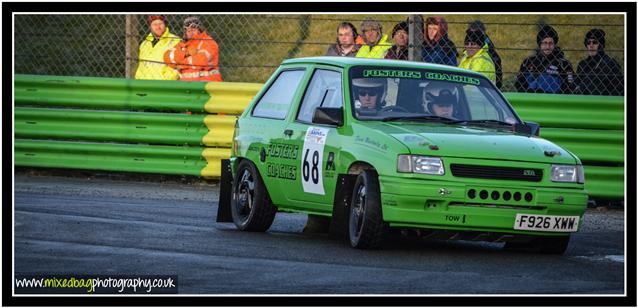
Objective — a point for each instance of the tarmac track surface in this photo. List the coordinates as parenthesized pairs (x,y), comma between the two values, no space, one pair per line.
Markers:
(105,227)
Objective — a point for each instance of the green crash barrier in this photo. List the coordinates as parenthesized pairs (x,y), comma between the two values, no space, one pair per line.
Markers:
(111,157)
(590,126)
(174,127)
(126,125)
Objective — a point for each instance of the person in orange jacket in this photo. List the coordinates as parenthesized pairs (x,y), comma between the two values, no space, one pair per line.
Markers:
(196,57)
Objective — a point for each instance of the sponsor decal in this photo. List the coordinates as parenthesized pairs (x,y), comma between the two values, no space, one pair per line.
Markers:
(452,78)
(392,73)
(282,150)
(282,171)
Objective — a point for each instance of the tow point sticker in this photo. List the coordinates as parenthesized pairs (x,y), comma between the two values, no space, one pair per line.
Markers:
(311,160)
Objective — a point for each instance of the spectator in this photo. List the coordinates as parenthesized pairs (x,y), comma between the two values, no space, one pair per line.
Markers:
(345,45)
(152,50)
(196,58)
(476,56)
(399,51)
(599,74)
(547,71)
(376,43)
(498,66)
(437,47)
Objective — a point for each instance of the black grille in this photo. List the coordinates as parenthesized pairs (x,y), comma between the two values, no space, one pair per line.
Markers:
(497,173)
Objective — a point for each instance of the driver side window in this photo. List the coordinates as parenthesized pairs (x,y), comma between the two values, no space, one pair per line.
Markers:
(324,90)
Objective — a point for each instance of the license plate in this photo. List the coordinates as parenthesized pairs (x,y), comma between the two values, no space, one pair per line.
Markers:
(546,223)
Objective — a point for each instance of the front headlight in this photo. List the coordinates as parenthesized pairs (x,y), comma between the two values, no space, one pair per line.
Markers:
(420,164)
(568,173)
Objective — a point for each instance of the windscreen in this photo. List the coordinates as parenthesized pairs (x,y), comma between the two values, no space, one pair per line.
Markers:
(378,93)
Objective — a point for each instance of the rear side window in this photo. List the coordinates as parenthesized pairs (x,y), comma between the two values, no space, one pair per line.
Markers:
(276,102)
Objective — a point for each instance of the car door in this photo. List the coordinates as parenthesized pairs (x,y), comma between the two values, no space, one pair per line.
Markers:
(314,190)
(264,132)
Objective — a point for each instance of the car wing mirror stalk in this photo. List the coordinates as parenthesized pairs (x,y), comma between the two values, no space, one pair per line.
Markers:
(528,128)
(328,115)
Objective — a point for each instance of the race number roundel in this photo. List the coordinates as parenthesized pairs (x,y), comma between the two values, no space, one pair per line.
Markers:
(311,158)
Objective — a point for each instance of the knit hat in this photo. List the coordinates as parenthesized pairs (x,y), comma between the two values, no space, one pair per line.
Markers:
(475,36)
(369,22)
(546,31)
(193,22)
(400,26)
(153,18)
(595,34)
(476,24)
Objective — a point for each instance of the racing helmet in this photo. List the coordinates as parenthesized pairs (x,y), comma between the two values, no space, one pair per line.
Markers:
(438,92)
(376,86)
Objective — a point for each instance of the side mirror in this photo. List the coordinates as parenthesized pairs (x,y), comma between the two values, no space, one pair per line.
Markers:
(528,128)
(328,115)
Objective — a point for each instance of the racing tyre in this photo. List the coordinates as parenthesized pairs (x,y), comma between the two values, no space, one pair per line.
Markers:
(251,207)
(366,228)
(548,245)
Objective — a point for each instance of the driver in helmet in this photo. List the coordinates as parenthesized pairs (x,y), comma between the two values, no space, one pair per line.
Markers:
(369,94)
(439,100)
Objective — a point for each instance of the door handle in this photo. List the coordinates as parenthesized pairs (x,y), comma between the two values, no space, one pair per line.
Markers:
(288,132)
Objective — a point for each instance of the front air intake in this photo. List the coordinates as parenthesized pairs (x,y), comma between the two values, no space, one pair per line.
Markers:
(497,173)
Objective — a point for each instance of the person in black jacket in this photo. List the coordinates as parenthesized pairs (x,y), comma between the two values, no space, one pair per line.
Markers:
(478,25)
(599,74)
(547,71)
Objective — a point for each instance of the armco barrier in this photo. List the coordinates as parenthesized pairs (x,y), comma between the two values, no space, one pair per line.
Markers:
(167,127)
(177,127)
(592,127)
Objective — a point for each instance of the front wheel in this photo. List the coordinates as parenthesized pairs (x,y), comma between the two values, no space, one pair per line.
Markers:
(366,226)
(251,207)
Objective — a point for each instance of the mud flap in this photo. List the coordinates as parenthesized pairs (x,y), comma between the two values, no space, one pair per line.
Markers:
(225,191)
(341,206)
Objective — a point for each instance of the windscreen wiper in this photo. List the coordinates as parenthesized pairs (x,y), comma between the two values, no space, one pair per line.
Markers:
(489,122)
(418,117)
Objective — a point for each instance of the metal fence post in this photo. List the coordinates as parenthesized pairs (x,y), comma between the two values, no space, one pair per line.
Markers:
(416,37)
(131,50)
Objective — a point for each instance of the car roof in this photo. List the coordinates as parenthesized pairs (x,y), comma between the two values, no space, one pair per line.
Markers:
(351,61)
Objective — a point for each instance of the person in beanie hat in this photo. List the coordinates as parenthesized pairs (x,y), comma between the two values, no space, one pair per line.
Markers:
(437,47)
(376,43)
(152,49)
(599,74)
(496,58)
(475,57)
(197,56)
(346,45)
(399,51)
(547,71)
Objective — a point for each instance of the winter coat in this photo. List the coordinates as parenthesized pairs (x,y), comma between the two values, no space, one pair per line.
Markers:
(496,58)
(151,53)
(397,53)
(202,66)
(377,51)
(600,75)
(479,62)
(442,52)
(335,50)
(546,74)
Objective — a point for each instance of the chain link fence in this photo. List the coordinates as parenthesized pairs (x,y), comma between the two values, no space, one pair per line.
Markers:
(251,47)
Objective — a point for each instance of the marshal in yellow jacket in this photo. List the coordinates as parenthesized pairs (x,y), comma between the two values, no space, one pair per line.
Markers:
(151,64)
(481,62)
(377,51)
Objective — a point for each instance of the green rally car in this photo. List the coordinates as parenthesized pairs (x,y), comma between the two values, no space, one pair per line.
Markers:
(380,145)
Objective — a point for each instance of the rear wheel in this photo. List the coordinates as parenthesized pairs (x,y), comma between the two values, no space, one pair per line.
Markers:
(251,207)
(366,226)
(546,244)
